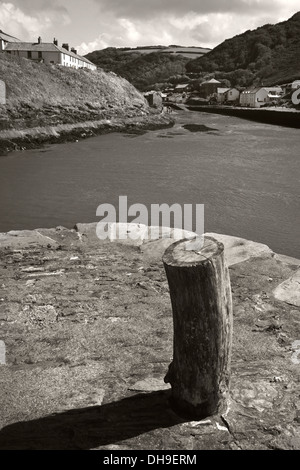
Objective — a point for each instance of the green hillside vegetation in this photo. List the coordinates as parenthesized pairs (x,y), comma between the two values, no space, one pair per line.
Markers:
(42,94)
(190,52)
(142,70)
(111,58)
(268,55)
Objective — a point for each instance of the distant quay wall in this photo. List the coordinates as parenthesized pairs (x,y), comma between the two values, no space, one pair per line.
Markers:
(277,116)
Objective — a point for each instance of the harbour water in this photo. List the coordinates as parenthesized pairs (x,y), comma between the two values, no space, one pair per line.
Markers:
(245,173)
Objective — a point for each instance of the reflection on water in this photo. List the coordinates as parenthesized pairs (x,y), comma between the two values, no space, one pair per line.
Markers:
(246,174)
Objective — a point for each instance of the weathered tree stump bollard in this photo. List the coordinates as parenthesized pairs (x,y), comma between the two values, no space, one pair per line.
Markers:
(202,314)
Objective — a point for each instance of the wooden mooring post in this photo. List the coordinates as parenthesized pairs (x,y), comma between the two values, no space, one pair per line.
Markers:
(202,315)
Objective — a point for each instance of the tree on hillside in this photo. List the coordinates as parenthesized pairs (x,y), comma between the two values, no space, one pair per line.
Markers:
(270,52)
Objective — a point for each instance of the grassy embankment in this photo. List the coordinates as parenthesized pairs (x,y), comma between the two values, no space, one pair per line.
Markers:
(52,103)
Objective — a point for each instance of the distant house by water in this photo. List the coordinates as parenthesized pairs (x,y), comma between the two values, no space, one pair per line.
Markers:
(154,98)
(257,97)
(209,87)
(221,94)
(232,95)
(5,39)
(182,87)
(49,53)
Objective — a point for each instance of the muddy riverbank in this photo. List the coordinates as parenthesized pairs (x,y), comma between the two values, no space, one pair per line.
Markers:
(35,137)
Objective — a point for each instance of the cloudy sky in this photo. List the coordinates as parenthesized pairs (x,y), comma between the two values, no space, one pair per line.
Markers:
(95,24)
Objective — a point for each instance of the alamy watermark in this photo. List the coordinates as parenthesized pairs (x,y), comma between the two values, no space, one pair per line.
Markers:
(133,221)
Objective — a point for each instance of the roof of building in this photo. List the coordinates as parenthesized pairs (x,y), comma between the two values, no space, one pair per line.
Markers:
(210,81)
(272,88)
(251,91)
(275,89)
(43,47)
(222,90)
(152,92)
(182,86)
(7,37)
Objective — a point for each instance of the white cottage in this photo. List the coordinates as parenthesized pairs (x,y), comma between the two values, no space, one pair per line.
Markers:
(232,95)
(257,97)
(221,94)
(49,53)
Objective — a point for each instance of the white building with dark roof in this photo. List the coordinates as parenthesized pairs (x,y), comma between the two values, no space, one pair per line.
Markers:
(221,94)
(49,53)
(232,95)
(5,39)
(257,97)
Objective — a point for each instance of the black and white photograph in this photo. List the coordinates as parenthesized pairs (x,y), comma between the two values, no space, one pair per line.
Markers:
(149,228)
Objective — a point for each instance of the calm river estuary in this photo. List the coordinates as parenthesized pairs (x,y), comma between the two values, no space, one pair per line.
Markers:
(245,173)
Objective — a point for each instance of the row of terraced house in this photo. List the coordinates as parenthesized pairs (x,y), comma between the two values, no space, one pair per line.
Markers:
(215,93)
(251,97)
(45,52)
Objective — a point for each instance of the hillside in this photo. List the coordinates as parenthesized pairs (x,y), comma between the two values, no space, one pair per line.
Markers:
(269,54)
(190,52)
(141,69)
(54,104)
(41,95)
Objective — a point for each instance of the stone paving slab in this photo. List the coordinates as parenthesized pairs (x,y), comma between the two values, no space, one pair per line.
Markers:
(88,336)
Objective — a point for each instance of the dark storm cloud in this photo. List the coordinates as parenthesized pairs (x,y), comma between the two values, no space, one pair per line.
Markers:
(146,8)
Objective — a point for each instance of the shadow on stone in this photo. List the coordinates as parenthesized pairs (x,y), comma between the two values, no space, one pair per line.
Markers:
(92,427)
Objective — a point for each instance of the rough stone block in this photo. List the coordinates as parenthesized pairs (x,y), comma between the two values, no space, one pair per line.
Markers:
(87,232)
(288,291)
(24,239)
(238,250)
(128,234)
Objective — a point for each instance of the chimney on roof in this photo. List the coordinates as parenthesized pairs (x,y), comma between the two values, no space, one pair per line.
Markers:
(65,46)
(39,40)
(73,50)
(55,42)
